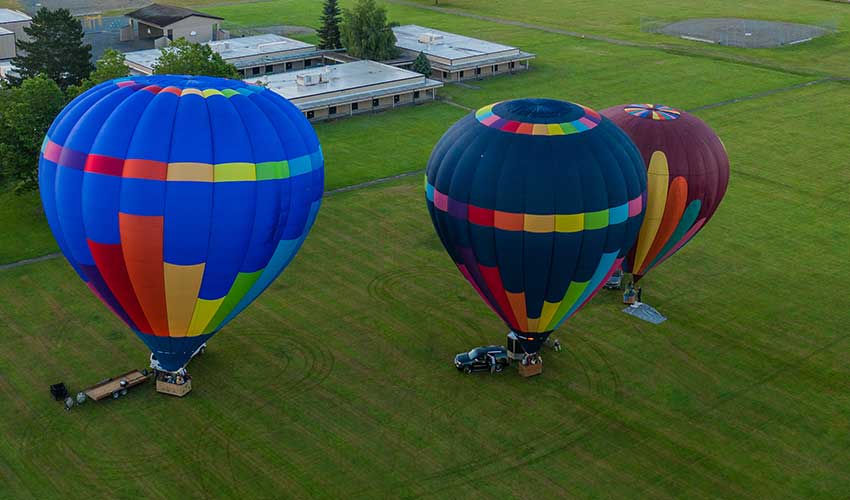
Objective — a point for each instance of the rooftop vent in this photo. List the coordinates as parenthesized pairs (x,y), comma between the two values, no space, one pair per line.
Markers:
(220,47)
(430,38)
(314,78)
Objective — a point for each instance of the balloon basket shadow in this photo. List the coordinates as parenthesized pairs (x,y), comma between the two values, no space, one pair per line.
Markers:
(173,384)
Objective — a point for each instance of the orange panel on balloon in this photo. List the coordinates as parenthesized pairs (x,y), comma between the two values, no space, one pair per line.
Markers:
(677,196)
(141,238)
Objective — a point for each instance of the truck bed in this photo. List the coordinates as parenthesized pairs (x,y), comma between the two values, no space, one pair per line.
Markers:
(106,388)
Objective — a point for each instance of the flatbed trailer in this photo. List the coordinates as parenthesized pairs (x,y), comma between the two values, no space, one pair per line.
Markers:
(114,388)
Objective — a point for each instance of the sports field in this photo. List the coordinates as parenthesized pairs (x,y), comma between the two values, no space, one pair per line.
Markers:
(337,382)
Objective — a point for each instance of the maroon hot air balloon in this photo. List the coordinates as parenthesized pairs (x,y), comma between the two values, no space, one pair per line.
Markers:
(687,175)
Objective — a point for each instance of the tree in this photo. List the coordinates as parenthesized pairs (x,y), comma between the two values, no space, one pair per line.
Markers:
(422,65)
(26,113)
(111,65)
(366,33)
(55,49)
(329,37)
(187,58)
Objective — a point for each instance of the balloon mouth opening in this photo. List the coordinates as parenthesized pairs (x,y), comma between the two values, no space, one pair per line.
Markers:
(539,111)
(532,342)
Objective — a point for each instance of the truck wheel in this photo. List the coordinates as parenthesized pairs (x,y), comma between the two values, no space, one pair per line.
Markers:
(116,395)
(467,370)
(123,392)
(499,367)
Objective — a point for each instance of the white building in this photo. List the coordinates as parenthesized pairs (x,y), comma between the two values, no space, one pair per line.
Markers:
(456,57)
(350,88)
(252,55)
(12,24)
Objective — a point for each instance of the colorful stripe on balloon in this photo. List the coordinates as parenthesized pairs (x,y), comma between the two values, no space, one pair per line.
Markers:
(588,121)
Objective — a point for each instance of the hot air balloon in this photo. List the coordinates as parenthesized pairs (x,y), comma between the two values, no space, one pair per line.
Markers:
(536,201)
(179,199)
(687,175)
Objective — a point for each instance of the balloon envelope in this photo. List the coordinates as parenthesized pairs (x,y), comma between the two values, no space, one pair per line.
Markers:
(688,172)
(179,199)
(537,201)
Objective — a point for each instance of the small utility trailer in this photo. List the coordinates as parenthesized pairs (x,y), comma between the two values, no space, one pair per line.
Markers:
(116,387)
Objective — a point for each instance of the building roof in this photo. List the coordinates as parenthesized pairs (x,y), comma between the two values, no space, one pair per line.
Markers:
(265,48)
(4,31)
(13,16)
(346,82)
(166,15)
(446,45)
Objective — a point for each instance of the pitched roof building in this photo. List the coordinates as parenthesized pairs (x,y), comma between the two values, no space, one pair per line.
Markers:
(157,21)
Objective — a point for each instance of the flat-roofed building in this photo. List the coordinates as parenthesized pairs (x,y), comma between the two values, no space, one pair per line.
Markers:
(12,24)
(456,57)
(169,23)
(252,55)
(350,88)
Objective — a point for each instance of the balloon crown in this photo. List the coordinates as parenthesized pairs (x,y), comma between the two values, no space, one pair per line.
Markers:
(546,117)
(657,112)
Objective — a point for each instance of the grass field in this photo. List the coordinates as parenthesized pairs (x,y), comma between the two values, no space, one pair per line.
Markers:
(337,382)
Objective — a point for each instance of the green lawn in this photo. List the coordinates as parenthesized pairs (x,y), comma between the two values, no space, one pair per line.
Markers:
(24,229)
(338,382)
(622,19)
(617,19)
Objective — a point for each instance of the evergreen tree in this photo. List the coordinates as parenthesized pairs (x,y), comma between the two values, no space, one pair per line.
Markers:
(329,37)
(55,49)
(422,65)
(366,33)
(187,58)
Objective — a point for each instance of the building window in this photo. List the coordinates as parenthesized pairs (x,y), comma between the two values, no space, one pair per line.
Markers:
(354,106)
(495,68)
(310,115)
(445,74)
(375,103)
(461,74)
(288,66)
(255,71)
(332,110)
(416,94)
(241,72)
(395,98)
(513,64)
(308,63)
(269,68)
(171,34)
(477,71)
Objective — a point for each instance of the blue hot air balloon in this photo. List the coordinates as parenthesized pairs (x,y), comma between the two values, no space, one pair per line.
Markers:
(537,201)
(179,199)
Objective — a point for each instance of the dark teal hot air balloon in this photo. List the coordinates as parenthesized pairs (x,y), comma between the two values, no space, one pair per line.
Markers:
(179,199)
(537,201)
